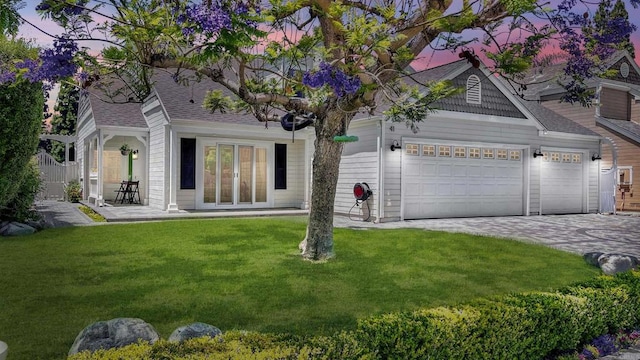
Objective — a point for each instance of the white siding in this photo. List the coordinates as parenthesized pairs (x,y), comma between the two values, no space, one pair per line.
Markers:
(367,131)
(594,185)
(357,168)
(85,128)
(293,195)
(158,155)
(186,199)
(475,132)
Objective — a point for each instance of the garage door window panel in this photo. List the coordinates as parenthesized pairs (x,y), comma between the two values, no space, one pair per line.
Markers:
(515,155)
(502,154)
(474,153)
(566,158)
(412,149)
(576,158)
(429,150)
(444,151)
(460,152)
(487,153)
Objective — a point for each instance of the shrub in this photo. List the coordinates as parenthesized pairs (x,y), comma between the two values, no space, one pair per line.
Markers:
(21,114)
(20,207)
(518,326)
(73,191)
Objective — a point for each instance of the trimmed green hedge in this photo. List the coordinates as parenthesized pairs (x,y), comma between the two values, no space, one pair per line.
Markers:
(518,326)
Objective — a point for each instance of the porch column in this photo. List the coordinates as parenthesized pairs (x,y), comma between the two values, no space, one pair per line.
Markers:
(100,190)
(172,207)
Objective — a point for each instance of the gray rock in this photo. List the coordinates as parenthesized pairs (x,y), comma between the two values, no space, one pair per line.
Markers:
(4,350)
(592,258)
(612,264)
(194,330)
(113,333)
(15,229)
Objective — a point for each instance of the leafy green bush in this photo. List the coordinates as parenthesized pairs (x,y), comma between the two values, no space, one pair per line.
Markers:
(21,105)
(20,207)
(73,191)
(518,326)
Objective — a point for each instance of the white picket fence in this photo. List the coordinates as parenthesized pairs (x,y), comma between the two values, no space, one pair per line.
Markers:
(55,176)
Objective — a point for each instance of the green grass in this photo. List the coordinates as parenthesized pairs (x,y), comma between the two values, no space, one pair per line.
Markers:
(92,214)
(246,274)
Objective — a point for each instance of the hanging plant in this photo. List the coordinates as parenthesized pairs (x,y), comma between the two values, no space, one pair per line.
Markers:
(125,149)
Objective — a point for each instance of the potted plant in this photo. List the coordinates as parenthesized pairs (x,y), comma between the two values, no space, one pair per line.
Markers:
(125,149)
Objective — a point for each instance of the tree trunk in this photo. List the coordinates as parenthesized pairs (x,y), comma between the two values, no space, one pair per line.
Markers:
(318,243)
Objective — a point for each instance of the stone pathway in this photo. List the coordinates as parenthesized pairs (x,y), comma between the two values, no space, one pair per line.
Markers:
(62,213)
(579,233)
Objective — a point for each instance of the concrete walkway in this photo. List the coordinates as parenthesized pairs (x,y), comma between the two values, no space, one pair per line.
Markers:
(574,233)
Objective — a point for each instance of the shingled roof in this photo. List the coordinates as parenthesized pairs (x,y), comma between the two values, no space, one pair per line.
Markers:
(106,112)
(184,102)
(494,101)
(628,129)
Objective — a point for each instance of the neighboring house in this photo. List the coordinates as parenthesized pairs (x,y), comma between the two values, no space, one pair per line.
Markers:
(476,156)
(615,115)
(187,157)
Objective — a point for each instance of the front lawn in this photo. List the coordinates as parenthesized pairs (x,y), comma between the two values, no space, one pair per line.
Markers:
(246,274)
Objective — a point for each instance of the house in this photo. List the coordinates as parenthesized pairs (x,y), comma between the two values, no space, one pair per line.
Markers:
(485,152)
(187,157)
(615,116)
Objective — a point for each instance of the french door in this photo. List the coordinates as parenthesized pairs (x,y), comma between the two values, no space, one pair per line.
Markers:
(233,175)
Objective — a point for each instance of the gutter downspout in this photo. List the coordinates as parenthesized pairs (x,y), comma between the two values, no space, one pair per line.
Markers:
(381,142)
(614,166)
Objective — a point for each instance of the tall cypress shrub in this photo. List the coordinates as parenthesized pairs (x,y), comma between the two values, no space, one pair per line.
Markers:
(21,112)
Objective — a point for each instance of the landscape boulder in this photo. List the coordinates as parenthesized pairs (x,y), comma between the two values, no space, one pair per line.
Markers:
(592,258)
(15,229)
(612,264)
(194,330)
(113,333)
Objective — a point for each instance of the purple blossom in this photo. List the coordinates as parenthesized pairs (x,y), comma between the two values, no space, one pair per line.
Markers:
(209,20)
(341,83)
(57,62)
(606,344)
(7,77)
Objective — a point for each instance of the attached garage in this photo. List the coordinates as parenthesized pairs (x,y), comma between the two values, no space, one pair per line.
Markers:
(562,182)
(443,180)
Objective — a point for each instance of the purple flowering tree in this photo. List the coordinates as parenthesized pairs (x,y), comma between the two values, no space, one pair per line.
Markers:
(342,56)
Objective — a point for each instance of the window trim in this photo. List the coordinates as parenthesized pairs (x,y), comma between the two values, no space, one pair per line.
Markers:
(630,168)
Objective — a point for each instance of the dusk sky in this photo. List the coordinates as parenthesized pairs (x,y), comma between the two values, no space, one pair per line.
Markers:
(428,59)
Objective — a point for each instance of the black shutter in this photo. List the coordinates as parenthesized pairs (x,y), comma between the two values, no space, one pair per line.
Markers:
(187,163)
(281,166)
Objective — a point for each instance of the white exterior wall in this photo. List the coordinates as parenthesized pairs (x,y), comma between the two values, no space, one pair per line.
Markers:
(293,195)
(85,129)
(158,153)
(360,163)
(358,168)
(454,130)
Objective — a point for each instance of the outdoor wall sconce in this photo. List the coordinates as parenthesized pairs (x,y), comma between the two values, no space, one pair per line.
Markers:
(595,157)
(395,145)
(537,153)
(135,154)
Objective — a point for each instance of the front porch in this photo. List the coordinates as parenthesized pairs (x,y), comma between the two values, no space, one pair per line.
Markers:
(132,213)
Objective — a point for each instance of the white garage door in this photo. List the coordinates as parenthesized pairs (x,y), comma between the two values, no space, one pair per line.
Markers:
(458,181)
(561,183)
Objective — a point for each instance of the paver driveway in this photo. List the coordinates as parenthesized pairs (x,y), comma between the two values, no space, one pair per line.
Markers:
(576,233)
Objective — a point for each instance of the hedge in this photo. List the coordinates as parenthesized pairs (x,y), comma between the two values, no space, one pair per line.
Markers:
(517,326)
